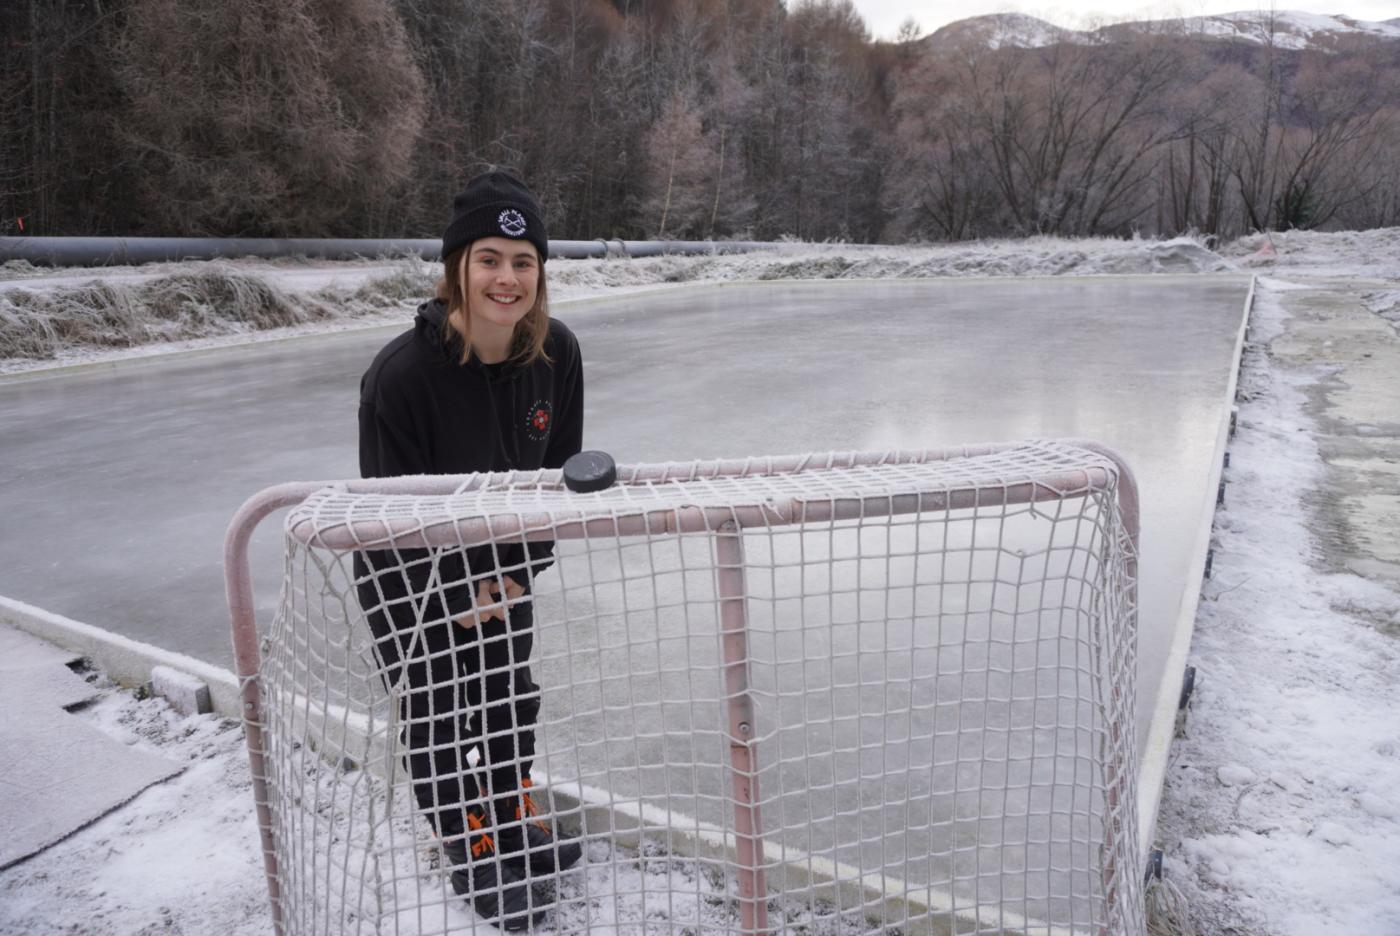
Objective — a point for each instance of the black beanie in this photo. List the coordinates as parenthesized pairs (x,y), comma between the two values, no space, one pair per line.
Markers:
(495,204)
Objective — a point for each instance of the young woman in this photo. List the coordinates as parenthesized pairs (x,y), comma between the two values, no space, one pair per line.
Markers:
(485,381)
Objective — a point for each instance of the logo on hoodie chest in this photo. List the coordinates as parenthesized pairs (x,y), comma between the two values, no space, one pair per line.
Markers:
(537,420)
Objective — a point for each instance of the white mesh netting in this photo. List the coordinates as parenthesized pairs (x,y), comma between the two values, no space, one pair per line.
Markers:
(849,694)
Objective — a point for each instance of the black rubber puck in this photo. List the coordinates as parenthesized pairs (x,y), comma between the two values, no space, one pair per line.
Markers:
(589,471)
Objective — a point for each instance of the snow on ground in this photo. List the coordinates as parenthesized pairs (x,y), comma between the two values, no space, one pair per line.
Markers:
(184,858)
(1321,254)
(1286,29)
(1386,304)
(1279,817)
(1280,814)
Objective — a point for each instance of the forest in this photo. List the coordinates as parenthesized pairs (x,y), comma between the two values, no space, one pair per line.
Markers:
(672,119)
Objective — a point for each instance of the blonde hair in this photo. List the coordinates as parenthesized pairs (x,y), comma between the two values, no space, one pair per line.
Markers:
(527,343)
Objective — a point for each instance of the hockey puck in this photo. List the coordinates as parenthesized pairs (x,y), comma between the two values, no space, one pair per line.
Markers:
(589,471)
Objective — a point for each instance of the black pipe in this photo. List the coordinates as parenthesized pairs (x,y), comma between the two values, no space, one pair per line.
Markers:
(125,251)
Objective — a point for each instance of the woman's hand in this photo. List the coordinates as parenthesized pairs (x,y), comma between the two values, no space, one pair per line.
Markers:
(489,606)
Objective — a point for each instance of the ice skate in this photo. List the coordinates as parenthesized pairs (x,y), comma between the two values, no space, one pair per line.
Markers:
(496,886)
(544,848)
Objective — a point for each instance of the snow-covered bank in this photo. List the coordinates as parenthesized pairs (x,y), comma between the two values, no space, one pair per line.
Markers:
(57,317)
(1317,253)
(126,313)
(52,317)
(1279,815)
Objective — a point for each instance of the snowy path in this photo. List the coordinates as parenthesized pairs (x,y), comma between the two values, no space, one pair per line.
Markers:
(1280,816)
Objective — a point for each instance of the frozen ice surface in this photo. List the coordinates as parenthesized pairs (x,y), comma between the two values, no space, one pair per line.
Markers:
(158,457)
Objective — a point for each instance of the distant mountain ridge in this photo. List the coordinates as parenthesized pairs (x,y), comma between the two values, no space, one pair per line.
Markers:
(1289,29)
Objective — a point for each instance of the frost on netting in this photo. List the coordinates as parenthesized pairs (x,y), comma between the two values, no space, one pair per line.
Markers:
(869,693)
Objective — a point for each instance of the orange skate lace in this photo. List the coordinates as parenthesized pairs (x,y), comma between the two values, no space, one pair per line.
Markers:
(530,809)
(483,841)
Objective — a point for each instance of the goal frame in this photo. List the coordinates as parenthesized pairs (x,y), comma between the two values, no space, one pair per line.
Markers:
(726,524)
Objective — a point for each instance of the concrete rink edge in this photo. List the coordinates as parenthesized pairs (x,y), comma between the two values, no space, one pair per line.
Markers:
(1152,769)
(126,661)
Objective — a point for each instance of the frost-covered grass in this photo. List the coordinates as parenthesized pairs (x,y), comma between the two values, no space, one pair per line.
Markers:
(68,316)
(209,300)
(1035,256)
(107,314)
(1317,253)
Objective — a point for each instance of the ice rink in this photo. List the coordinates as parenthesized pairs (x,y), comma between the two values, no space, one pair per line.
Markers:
(121,480)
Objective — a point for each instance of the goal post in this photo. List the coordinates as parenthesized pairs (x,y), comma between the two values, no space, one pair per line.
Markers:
(848,692)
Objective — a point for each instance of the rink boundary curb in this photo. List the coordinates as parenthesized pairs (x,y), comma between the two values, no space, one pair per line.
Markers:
(125,661)
(1152,770)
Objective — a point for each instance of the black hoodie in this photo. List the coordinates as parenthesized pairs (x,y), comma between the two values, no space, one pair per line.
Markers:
(424,412)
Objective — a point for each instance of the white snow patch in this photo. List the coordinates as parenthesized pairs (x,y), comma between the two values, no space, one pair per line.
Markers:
(1284,29)
(182,857)
(1291,685)
(185,857)
(1235,774)
(1386,304)
(1378,806)
(1374,253)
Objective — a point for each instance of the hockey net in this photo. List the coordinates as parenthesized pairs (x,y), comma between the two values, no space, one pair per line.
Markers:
(888,692)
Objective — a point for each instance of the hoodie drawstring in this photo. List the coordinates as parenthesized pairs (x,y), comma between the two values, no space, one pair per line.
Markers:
(501,433)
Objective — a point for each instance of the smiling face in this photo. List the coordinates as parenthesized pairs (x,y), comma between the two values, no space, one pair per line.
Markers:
(501,281)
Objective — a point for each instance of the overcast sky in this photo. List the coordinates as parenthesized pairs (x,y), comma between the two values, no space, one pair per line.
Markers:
(884,16)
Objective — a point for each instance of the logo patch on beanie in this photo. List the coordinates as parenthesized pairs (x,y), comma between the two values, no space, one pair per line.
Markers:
(512,223)
(537,421)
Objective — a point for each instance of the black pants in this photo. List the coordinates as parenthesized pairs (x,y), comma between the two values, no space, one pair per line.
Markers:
(463,688)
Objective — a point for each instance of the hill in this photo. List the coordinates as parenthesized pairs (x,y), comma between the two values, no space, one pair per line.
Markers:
(1289,29)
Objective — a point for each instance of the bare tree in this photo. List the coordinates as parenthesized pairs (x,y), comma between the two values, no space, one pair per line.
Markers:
(1069,130)
(1370,173)
(681,169)
(58,170)
(259,117)
(1193,170)
(1254,149)
(940,185)
(1333,111)
(760,117)
(834,152)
